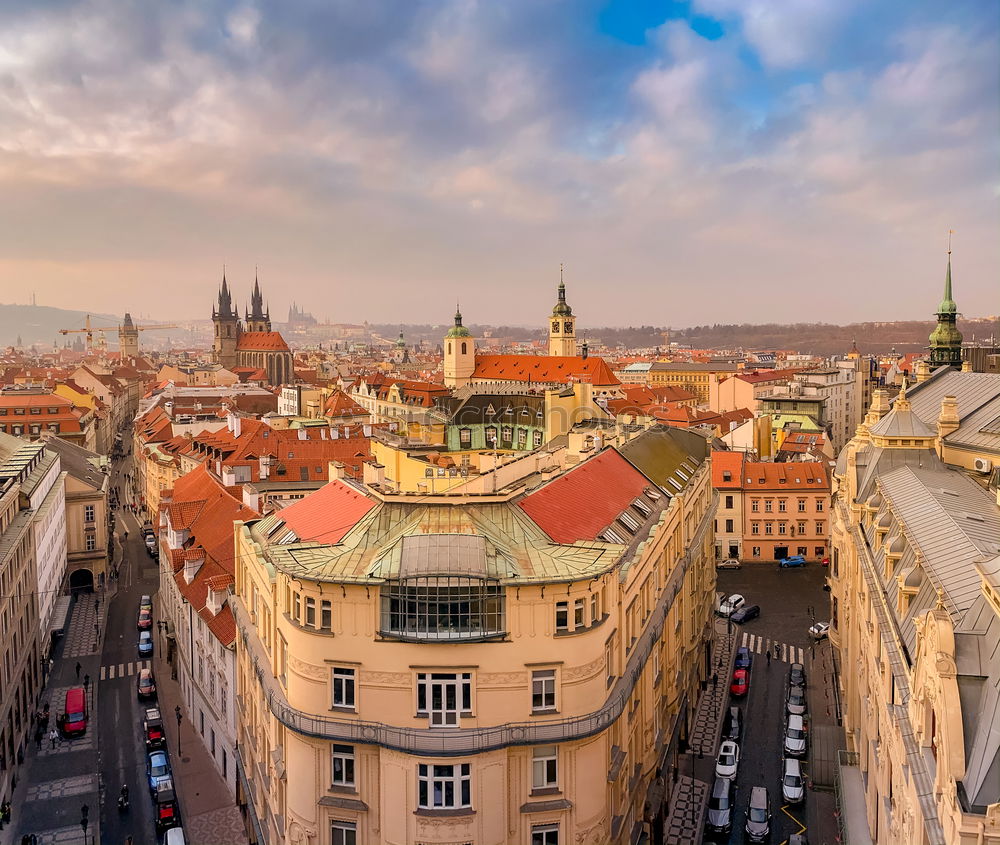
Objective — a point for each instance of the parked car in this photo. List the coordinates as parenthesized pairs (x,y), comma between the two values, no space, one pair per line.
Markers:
(74,718)
(820,631)
(794,560)
(145,644)
(798,839)
(157,768)
(797,675)
(167,814)
(746,613)
(146,603)
(741,683)
(728,563)
(728,760)
(793,785)
(175,836)
(152,729)
(145,620)
(151,544)
(758,826)
(733,726)
(743,658)
(720,806)
(145,686)
(731,605)
(795,703)
(795,737)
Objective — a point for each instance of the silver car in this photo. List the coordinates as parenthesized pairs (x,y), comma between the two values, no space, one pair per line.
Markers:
(793,785)
(795,703)
(728,563)
(795,737)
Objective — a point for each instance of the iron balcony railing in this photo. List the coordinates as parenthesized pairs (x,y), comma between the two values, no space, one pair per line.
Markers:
(450,742)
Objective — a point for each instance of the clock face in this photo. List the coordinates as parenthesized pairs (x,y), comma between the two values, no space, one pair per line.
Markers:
(568,327)
(555,326)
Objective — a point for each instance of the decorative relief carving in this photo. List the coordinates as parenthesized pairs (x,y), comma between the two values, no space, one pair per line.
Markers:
(387,678)
(595,833)
(307,670)
(501,678)
(587,670)
(945,665)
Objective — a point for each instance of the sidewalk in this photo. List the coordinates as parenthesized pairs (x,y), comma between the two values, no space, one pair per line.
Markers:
(209,814)
(687,802)
(58,781)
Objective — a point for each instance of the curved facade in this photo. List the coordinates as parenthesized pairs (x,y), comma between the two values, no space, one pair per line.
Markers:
(445,671)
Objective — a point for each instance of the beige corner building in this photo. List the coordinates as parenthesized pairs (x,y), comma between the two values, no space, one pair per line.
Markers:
(915,581)
(518,666)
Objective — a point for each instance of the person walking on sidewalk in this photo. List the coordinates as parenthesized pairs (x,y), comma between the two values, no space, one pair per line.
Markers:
(53,736)
(78,668)
(769,657)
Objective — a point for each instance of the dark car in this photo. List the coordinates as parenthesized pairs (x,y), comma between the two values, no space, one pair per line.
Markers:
(794,560)
(741,683)
(157,769)
(720,806)
(145,686)
(797,675)
(743,658)
(152,729)
(733,727)
(144,621)
(165,801)
(758,826)
(145,644)
(746,613)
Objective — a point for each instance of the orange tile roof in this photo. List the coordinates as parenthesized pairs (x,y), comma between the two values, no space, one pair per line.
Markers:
(261,342)
(731,462)
(341,405)
(581,503)
(765,475)
(328,514)
(544,369)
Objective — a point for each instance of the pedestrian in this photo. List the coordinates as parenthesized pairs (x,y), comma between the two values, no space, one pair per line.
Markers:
(78,668)
(769,657)
(126,533)
(53,736)
(38,738)
(715,679)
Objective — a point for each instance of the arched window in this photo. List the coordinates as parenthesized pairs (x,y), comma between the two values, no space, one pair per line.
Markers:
(463,347)
(449,347)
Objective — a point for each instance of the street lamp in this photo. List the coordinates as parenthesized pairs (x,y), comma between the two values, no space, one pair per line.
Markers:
(177,712)
(84,821)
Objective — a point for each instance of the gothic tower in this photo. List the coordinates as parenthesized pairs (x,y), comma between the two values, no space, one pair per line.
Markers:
(459,354)
(128,338)
(227,328)
(946,339)
(258,318)
(562,328)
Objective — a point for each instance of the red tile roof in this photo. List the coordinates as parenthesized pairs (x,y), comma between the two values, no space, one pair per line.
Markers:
(544,369)
(765,475)
(341,405)
(581,503)
(328,514)
(731,462)
(261,342)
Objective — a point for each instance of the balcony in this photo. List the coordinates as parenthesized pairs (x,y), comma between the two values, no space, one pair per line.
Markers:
(442,608)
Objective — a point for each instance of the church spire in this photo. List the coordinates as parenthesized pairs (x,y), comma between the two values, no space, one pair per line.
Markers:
(946,339)
(561,309)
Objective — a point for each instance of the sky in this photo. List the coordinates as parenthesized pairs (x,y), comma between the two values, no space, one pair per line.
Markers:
(705,161)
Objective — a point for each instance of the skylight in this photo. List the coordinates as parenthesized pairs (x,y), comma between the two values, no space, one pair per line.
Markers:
(630,522)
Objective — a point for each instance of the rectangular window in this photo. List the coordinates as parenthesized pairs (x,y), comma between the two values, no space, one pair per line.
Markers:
(819,527)
(768,506)
(543,690)
(802,505)
(88,513)
(522,438)
(729,526)
(580,613)
(755,505)
(343,833)
(465,436)
(802,528)
(801,550)
(282,660)
(755,552)
(342,765)
(782,528)
(344,681)
(768,528)
(506,433)
(491,436)
(819,506)
(544,767)
(311,612)
(444,696)
(755,528)
(782,505)
(447,787)
(820,551)
(595,612)
(91,542)
(296,607)
(326,615)
(562,616)
(536,439)
(729,502)
(545,834)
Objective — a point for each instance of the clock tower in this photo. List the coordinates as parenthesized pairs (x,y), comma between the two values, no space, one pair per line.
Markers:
(562,325)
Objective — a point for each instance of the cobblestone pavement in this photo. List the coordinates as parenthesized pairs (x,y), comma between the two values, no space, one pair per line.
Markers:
(81,639)
(216,827)
(62,788)
(686,802)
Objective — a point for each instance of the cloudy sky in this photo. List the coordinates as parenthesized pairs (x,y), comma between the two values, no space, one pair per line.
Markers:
(689,162)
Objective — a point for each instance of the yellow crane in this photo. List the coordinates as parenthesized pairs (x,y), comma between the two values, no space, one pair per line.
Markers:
(102,343)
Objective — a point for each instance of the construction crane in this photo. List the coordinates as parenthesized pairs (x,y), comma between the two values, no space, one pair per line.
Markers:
(102,343)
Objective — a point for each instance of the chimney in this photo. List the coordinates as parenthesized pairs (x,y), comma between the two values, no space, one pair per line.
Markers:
(947,421)
(921,371)
(337,471)
(967,366)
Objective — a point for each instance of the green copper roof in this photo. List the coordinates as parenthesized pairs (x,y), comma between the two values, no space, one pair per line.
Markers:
(947,305)
(561,308)
(458,330)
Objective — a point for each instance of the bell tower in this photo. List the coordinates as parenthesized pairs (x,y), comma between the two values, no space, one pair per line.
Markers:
(459,354)
(258,318)
(562,325)
(128,338)
(227,328)
(946,339)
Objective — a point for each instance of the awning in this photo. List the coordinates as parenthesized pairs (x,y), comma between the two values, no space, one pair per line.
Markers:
(60,613)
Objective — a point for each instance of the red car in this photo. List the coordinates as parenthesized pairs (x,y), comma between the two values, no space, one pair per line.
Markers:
(145,620)
(741,683)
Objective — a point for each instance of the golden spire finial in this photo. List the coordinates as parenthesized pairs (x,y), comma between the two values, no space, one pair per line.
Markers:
(950,233)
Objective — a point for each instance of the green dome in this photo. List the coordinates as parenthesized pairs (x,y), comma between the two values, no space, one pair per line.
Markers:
(562,309)
(458,330)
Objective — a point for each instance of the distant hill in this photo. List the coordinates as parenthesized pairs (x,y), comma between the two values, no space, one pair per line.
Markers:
(41,323)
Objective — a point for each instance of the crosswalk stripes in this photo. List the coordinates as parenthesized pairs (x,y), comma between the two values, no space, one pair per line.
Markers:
(759,645)
(123,670)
